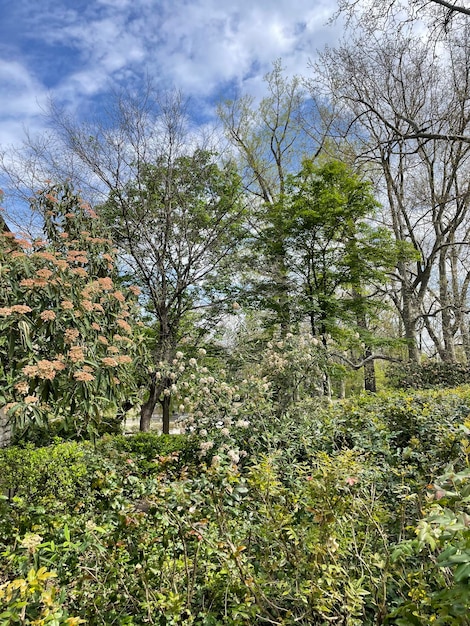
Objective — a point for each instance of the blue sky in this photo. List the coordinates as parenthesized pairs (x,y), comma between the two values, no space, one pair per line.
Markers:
(75,51)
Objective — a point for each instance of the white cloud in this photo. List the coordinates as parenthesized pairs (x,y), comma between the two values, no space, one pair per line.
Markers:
(22,103)
(195,45)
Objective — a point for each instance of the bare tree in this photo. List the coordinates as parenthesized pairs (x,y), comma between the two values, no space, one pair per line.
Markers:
(409,119)
(438,15)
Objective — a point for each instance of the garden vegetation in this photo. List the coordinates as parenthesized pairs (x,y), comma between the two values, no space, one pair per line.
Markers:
(296,306)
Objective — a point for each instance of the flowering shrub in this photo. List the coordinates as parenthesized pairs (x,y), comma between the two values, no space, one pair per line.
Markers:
(230,411)
(66,342)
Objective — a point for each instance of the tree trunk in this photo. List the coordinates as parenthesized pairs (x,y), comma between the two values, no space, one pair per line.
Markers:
(146,413)
(370,383)
(408,317)
(166,402)
(446,318)
(465,332)
(370,380)
(147,409)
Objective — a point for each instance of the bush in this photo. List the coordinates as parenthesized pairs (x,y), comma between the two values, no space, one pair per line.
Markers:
(300,529)
(67,349)
(428,375)
(433,569)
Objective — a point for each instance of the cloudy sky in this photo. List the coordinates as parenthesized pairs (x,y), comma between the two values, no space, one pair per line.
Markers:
(76,50)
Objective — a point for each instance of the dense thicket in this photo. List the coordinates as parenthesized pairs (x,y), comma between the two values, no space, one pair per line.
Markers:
(359,516)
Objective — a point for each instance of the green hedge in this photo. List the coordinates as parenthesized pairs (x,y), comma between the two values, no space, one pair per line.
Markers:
(428,374)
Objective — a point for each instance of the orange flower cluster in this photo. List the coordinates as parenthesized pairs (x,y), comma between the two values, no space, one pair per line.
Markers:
(29,283)
(116,360)
(83,376)
(48,316)
(106,283)
(67,305)
(44,273)
(123,359)
(109,361)
(87,305)
(124,325)
(24,243)
(119,296)
(99,240)
(47,256)
(16,308)
(76,354)
(71,335)
(77,256)
(44,369)
(22,387)
(79,271)
(61,264)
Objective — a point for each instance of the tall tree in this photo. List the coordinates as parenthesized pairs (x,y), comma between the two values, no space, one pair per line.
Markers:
(337,259)
(179,224)
(409,113)
(270,140)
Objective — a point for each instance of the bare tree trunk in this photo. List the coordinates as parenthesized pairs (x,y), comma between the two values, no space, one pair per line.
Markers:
(147,409)
(370,380)
(166,403)
(448,354)
(465,332)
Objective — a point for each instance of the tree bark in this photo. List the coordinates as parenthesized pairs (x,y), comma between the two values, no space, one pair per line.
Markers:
(448,354)
(166,403)
(147,409)
(370,379)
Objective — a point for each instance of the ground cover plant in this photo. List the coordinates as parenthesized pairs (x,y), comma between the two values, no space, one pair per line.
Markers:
(351,513)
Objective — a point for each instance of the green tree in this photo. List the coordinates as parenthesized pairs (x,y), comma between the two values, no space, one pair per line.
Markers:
(179,224)
(269,139)
(337,258)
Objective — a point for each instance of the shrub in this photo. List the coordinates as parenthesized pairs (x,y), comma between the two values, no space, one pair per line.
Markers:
(428,374)
(433,569)
(35,600)
(66,344)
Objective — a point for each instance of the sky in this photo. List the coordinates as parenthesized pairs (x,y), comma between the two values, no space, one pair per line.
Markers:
(77,51)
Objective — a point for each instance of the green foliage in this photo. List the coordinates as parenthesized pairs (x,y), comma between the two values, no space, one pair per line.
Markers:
(434,568)
(332,512)
(34,600)
(428,374)
(332,248)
